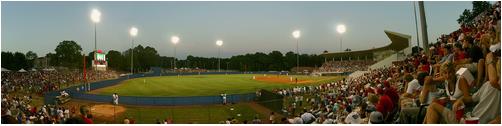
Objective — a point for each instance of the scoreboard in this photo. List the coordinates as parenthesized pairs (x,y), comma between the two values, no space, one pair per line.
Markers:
(100,57)
(99,62)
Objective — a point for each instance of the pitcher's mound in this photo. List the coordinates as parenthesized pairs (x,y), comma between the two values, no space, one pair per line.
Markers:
(107,110)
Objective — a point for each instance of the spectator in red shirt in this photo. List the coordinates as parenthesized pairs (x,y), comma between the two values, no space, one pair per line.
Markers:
(84,110)
(33,110)
(385,104)
(416,62)
(424,66)
(465,29)
(441,52)
(459,53)
(391,92)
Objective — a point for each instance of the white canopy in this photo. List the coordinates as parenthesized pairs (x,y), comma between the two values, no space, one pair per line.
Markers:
(22,70)
(46,69)
(33,69)
(5,70)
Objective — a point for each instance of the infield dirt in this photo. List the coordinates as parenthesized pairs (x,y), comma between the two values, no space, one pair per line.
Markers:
(281,79)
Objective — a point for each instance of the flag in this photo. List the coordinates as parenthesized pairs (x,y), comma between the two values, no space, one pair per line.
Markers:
(85,75)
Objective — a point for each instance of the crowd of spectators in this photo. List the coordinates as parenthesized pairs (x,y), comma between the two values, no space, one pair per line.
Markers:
(458,81)
(465,73)
(19,88)
(19,110)
(347,101)
(345,66)
(43,81)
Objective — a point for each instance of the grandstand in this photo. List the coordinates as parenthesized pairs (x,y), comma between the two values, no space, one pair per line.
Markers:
(371,58)
(399,42)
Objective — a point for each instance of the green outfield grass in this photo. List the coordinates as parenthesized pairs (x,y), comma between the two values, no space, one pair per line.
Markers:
(200,85)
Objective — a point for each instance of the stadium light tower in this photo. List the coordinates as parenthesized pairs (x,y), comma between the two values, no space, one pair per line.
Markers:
(219,43)
(174,40)
(341,29)
(133,32)
(296,35)
(95,17)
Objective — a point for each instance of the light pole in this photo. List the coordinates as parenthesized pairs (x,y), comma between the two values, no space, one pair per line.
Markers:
(341,29)
(95,17)
(219,43)
(174,40)
(133,32)
(416,24)
(296,35)
(423,26)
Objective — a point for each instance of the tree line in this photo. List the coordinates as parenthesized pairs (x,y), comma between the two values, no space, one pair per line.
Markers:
(273,61)
(69,54)
(18,60)
(478,7)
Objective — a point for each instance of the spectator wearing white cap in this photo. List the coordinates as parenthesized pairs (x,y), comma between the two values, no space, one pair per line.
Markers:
(307,117)
(353,118)
(376,118)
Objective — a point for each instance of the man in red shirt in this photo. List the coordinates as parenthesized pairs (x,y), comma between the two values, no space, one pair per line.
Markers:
(425,67)
(391,92)
(385,104)
(459,53)
(84,110)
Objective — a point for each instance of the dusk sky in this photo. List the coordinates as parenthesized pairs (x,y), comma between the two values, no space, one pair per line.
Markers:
(244,27)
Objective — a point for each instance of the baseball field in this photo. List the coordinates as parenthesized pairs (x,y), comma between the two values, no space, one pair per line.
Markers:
(207,85)
(194,85)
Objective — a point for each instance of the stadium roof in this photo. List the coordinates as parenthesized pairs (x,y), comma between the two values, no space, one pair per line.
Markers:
(398,42)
